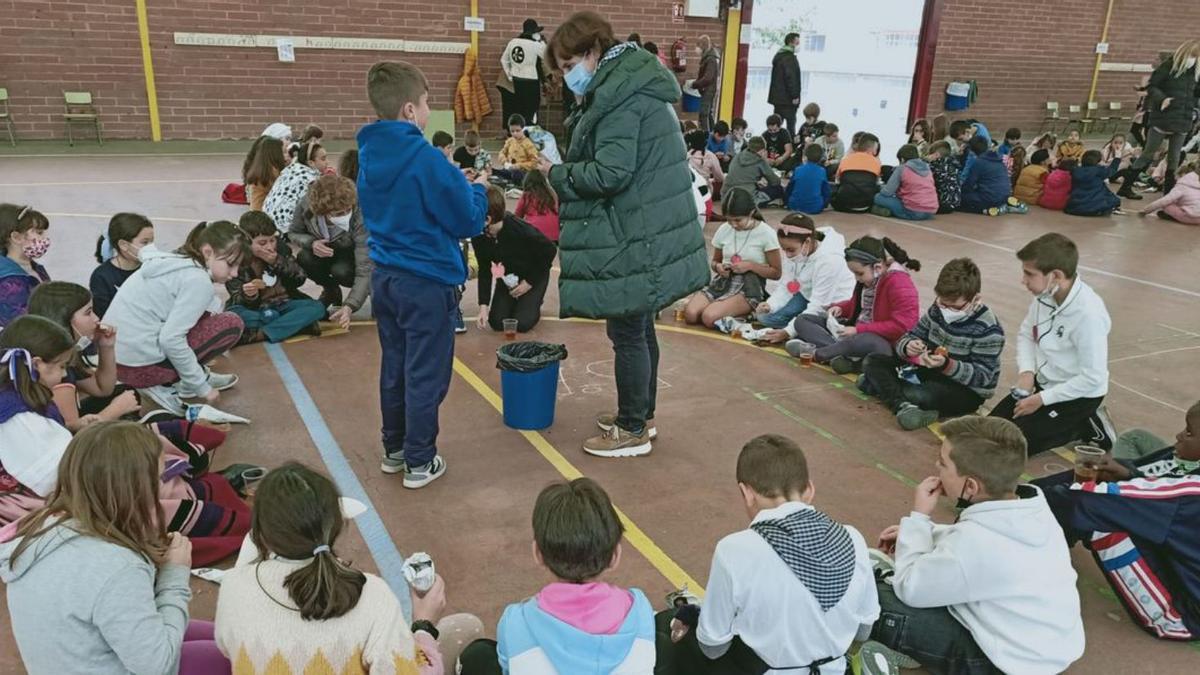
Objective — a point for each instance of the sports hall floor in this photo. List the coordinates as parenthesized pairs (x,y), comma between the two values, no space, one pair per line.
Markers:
(316,400)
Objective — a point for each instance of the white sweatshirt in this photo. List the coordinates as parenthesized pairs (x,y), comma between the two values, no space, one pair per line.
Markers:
(1004,572)
(1066,345)
(520,58)
(823,276)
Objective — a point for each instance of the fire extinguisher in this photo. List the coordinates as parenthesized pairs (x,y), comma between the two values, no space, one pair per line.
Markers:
(679,55)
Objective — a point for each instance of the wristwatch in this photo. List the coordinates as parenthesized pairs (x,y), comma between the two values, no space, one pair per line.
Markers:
(427,626)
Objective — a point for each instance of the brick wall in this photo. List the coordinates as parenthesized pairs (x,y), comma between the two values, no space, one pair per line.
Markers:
(209,92)
(1024,53)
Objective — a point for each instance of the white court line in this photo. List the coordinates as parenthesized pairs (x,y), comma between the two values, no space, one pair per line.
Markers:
(1147,396)
(101,216)
(110,155)
(1163,351)
(1179,330)
(121,182)
(1093,270)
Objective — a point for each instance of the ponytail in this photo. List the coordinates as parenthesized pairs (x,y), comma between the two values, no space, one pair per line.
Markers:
(297,516)
(222,236)
(121,227)
(104,251)
(740,203)
(21,341)
(869,251)
(900,255)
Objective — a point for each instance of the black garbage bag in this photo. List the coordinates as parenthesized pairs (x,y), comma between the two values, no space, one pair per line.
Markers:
(526,357)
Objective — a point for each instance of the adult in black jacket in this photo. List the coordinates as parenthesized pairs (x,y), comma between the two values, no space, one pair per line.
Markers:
(785,82)
(1171,98)
(526,254)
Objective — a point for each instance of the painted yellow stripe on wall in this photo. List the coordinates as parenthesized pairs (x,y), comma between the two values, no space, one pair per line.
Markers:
(148,69)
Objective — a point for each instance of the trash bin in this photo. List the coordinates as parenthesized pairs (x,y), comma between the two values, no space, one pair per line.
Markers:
(691,97)
(529,383)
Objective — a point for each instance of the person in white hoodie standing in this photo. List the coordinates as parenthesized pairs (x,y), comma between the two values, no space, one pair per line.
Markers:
(170,321)
(1062,353)
(964,597)
(522,63)
(814,274)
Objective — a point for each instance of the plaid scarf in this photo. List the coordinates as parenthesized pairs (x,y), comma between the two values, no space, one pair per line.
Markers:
(817,550)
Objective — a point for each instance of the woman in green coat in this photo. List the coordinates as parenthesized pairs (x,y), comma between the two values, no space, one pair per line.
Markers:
(630,242)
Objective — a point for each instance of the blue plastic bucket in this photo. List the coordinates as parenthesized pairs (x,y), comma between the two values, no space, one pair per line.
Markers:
(691,98)
(958,95)
(529,398)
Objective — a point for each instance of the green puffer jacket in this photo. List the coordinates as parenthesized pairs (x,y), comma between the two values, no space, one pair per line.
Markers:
(631,241)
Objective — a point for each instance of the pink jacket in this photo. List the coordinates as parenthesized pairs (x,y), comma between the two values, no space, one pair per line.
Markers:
(917,191)
(897,305)
(1183,202)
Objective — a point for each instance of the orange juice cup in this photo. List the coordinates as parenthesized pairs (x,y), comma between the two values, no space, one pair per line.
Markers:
(510,329)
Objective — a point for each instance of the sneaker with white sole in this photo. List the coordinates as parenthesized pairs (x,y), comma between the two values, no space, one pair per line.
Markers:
(222,381)
(879,659)
(166,397)
(393,463)
(798,347)
(419,476)
(912,418)
(607,421)
(616,442)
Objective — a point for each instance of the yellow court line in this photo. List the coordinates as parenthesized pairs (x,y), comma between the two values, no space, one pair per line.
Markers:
(634,534)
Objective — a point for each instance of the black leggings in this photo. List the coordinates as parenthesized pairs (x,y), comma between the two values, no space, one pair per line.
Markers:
(527,309)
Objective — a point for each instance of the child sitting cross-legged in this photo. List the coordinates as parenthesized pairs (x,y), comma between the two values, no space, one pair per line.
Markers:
(1031,182)
(1057,188)
(787,594)
(718,143)
(909,193)
(471,157)
(995,590)
(578,624)
(745,255)
(519,155)
(118,252)
(858,175)
(1138,517)
(749,171)
(814,274)
(1071,148)
(704,161)
(945,167)
(1090,195)
(883,307)
(949,363)
(809,190)
(986,186)
(266,292)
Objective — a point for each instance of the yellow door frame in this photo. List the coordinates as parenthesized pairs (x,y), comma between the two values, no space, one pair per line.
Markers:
(733,44)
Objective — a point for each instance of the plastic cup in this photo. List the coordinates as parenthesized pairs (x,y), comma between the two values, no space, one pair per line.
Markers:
(510,329)
(679,316)
(806,359)
(1088,459)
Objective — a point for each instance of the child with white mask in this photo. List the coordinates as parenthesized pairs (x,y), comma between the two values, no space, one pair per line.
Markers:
(814,274)
(328,228)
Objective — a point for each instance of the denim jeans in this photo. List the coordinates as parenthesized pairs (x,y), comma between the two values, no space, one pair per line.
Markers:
(931,636)
(416,338)
(635,366)
(892,203)
(290,317)
(936,391)
(784,315)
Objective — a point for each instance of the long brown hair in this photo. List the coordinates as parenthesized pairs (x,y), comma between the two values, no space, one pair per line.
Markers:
(541,197)
(108,488)
(43,339)
(222,236)
(16,219)
(264,161)
(939,128)
(58,301)
(297,516)
(1019,163)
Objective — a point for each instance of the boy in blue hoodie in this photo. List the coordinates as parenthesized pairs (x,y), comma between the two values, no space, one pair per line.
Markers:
(986,185)
(416,207)
(577,625)
(809,190)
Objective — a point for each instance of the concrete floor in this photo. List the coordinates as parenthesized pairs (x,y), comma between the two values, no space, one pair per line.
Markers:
(715,394)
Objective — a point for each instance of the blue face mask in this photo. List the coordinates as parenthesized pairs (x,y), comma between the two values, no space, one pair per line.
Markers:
(578,78)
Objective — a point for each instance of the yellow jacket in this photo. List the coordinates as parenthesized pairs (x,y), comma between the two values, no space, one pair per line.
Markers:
(1031,183)
(523,153)
(471,103)
(1070,150)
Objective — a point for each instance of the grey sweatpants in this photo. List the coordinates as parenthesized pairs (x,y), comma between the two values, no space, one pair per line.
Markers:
(811,328)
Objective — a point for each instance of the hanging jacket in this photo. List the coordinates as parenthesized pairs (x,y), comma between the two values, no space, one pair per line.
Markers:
(629,241)
(1090,195)
(1031,183)
(1057,190)
(471,103)
(1184,200)
(897,305)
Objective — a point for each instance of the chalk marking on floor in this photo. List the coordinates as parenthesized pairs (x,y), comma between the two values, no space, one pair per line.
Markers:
(154,181)
(1093,270)
(1147,396)
(634,534)
(101,216)
(1179,330)
(374,532)
(1157,353)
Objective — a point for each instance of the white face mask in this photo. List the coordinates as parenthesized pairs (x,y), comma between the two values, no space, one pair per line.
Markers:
(956,315)
(342,221)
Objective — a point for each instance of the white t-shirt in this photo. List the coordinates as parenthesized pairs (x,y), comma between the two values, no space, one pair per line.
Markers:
(31,447)
(751,246)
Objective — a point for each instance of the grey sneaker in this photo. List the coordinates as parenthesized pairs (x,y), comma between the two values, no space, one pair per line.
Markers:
(878,659)
(167,398)
(912,418)
(221,381)
(419,476)
(845,365)
(607,421)
(798,347)
(393,463)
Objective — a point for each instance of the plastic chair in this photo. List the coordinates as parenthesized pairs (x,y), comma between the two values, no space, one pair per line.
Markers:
(6,116)
(80,109)
(1051,118)
(1114,116)
(1074,116)
(1092,109)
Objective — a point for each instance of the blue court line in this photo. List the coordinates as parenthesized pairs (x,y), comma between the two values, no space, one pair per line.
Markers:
(379,542)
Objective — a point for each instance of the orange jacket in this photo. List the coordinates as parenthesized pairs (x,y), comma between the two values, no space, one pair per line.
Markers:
(471,103)
(523,153)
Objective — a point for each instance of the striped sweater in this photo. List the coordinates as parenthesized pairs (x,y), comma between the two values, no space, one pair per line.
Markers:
(974,345)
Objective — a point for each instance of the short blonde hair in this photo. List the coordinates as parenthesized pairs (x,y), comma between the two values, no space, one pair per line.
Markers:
(391,84)
(332,194)
(992,450)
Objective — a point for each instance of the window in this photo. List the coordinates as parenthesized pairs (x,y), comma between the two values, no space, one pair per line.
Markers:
(900,39)
(813,43)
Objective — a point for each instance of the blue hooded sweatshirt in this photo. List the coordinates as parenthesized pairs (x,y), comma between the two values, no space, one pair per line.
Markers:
(416,205)
(809,190)
(532,642)
(987,183)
